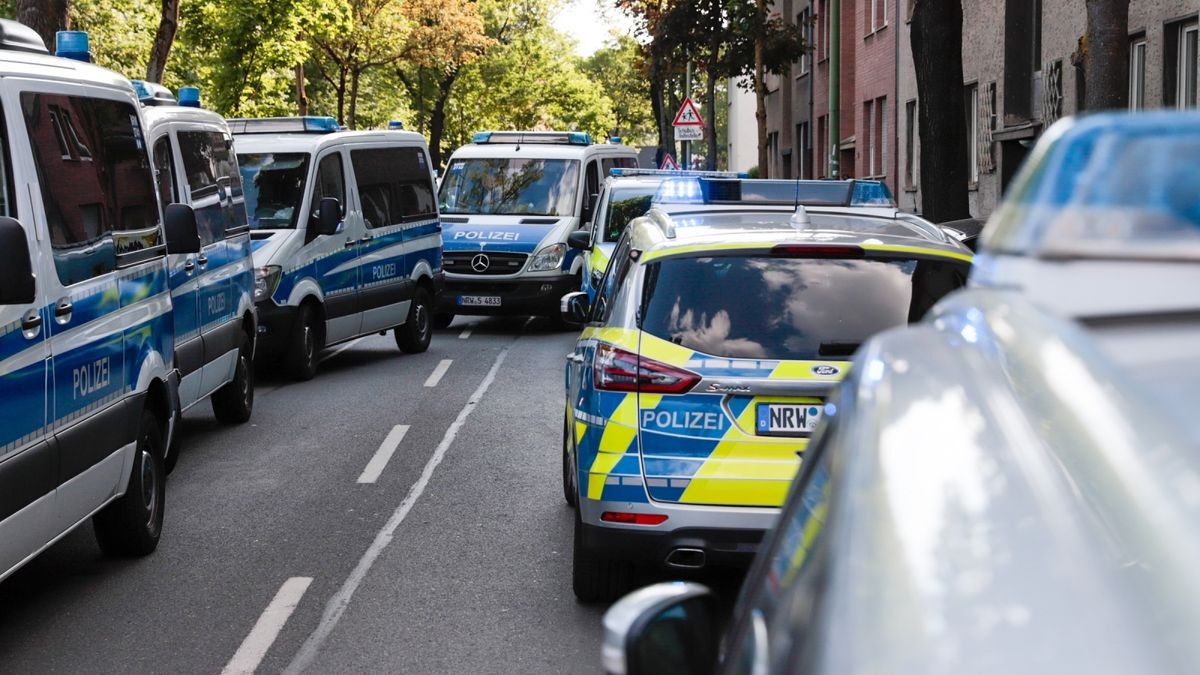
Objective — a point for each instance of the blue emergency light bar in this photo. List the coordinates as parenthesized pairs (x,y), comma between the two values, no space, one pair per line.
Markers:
(531,137)
(395,125)
(72,44)
(284,125)
(189,97)
(624,173)
(152,93)
(721,190)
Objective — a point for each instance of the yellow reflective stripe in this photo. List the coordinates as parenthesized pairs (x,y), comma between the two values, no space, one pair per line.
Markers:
(618,433)
(918,250)
(665,351)
(750,246)
(803,370)
(599,259)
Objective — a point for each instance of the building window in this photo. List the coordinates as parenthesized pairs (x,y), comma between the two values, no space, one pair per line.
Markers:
(1187,60)
(803,160)
(822,160)
(803,19)
(972,106)
(1137,73)
(987,125)
(878,14)
(823,28)
(910,134)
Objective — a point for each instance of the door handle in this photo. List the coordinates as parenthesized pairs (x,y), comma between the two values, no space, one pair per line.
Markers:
(31,323)
(203,260)
(189,266)
(62,310)
(350,243)
(366,240)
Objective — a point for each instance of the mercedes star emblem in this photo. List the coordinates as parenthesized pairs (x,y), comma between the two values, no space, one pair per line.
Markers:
(480,263)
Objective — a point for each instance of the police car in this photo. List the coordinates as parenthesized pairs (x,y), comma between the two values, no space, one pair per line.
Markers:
(509,200)
(345,232)
(705,364)
(87,380)
(212,290)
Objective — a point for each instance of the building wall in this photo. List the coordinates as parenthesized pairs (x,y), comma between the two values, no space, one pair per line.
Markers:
(743,137)
(875,89)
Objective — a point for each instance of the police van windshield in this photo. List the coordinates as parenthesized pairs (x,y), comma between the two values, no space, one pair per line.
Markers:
(626,204)
(788,308)
(517,186)
(274,187)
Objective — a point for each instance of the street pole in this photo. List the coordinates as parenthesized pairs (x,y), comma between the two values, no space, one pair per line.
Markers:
(686,151)
(835,88)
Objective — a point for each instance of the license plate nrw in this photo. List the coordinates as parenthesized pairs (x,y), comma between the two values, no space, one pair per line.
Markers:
(479,300)
(787,419)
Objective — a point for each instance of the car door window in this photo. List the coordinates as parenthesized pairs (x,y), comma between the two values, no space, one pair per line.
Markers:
(331,181)
(592,184)
(212,178)
(97,187)
(614,277)
(164,171)
(394,185)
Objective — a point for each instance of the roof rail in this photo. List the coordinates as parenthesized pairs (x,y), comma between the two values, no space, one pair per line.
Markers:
(17,37)
(283,125)
(531,137)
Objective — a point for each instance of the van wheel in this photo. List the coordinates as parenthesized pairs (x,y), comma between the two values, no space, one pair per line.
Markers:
(234,402)
(414,335)
(131,525)
(595,578)
(301,359)
(442,320)
(570,474)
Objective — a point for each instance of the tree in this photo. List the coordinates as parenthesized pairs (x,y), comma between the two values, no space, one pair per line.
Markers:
(47,17)
(371,34)
(657,65)
(936,33)
(168,25)
(1104,55)
(615,69)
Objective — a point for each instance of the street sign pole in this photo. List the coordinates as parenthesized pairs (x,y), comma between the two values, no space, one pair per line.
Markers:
(686,151)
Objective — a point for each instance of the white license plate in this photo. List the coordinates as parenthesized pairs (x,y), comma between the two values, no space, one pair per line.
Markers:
(479,300)
(787,419)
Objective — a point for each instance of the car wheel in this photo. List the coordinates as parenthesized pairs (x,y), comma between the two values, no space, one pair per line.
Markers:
(301,360)
(570,475)
(132,525)
(234,402)
(414,336)
(596,578)
(442,320)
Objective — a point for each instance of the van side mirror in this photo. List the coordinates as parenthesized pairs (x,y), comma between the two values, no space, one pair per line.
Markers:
(17,285)
(179,225)
(575,308)
(580,240)
(328,216)
(665,628)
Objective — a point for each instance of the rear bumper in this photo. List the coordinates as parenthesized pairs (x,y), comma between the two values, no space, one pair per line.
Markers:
(522,296)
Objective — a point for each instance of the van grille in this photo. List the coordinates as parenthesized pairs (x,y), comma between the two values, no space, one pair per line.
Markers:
(462,262)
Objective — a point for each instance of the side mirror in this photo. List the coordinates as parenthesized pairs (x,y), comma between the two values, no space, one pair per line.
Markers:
(179,225)
(328,216)
(17,285)
(575,308)
(580,240)
(664,628)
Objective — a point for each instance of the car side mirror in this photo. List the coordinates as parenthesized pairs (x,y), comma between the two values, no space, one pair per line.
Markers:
(665,628)
(179,225)
(328,216)
(575,308)
(17,285)
(580,240)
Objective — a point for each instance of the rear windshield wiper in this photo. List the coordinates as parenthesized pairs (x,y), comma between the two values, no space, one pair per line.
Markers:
(835,348)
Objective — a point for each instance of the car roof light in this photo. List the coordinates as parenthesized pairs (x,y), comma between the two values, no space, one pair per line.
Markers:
(395,125)
(532,137)
(152,93)
(73,44)
(681,190)
(626,172)
(871,193)
(18,37)
(284,125)
(189,97)
(615,140)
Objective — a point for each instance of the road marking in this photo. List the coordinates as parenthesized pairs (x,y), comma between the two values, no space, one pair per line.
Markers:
(339,602)
(465,334)
(256,644)
(436,375)
(384,454)
(341,349)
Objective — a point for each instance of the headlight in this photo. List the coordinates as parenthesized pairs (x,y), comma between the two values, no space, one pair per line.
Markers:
(548,258)
(266,280)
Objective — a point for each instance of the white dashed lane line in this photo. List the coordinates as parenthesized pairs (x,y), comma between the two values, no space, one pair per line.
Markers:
(438,373)
(262,636)
(384,454)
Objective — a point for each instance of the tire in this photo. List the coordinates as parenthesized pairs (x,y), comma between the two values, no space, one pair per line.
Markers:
(234,402)
(595,578)
(300,363)
(131,526)
(442,320)
(570,474)
(414,335)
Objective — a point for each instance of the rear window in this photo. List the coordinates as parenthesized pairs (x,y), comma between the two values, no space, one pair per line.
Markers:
(788,308)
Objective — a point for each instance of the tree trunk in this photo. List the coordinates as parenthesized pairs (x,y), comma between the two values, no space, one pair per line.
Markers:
(352,116)
(760,93)
(437,119)
(710,125)
(666,135)
(341,95)
(936,32)
(47,17)
(1106,55)
(168,25)
(301,94)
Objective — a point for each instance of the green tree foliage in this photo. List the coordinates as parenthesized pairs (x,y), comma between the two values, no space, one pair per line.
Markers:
(616,69)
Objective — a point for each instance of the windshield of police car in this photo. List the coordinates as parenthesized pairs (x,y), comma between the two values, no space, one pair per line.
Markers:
(273,184)
(788,308)
(510,186)
(626,204)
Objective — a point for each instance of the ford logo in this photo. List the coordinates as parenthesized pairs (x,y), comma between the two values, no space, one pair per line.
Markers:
(825,371)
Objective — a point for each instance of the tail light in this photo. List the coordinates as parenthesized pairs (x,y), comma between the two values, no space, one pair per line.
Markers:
(619,370)
(633,518)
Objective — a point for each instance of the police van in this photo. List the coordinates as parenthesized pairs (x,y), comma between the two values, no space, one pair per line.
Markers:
(87,382)
(345,233)
(212,290)
(509,200)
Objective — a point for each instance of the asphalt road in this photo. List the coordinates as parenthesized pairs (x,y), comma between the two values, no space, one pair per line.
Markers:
(455,560)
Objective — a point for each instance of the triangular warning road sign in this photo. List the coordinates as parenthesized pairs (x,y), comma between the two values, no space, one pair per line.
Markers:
(688,115)
(669,163)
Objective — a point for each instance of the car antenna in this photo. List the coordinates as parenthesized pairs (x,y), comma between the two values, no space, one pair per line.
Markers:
(799,219)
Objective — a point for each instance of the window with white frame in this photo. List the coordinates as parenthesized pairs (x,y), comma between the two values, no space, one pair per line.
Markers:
(972,106)
(878,14)
(869,136)
(880,137)
(1137,73)
(1187,65)
(910,143)
(803,20)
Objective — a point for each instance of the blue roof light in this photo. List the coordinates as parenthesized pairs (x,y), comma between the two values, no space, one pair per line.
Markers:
(680,190)
(579,138)
(395,125)
(189,96)
(139,88)
(481,136)
(321,124)
(871,193)
(615,140)
(72,44)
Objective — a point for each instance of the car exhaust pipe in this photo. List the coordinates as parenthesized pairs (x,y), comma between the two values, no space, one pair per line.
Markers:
(686,558)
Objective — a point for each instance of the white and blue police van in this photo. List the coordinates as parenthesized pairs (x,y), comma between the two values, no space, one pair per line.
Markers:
(87,380)
(212,290)
(345,233)
(509,200)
